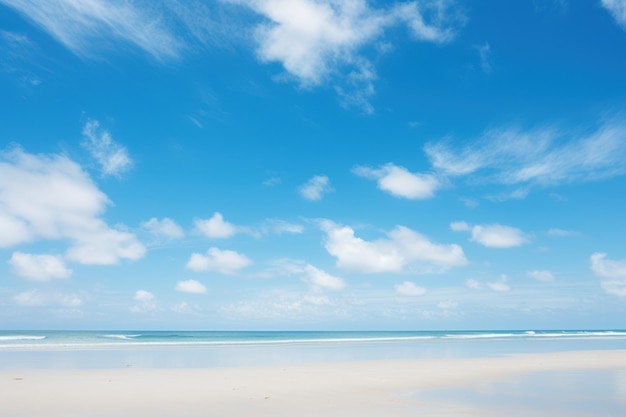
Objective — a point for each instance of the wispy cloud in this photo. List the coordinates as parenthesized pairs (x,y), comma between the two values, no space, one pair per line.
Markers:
(409,288)
(500,285)
(86,26)
(112,157)
(315,188)
(322,41)
(612,273)
(484,53)
(541,157)
(399,182)
(38,298)
(541,275)
(617,8)
(403,250)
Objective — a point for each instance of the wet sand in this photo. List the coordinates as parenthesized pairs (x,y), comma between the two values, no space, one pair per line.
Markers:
(365,388)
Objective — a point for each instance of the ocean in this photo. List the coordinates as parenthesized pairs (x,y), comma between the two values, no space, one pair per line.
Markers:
(196,349)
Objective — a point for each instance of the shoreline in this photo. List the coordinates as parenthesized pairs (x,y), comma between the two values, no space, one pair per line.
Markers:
(364,388)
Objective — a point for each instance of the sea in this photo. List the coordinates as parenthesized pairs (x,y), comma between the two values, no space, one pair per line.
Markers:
(196,349)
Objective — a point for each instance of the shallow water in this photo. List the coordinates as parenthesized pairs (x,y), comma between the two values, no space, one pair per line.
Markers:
(586,393)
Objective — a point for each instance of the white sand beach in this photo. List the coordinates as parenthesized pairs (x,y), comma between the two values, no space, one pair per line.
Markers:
(366,388)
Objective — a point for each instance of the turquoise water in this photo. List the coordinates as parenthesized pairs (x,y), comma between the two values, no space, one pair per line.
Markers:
(76,340)
(182,349)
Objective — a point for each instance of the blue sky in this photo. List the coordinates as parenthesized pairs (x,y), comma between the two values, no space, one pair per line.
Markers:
(301,164)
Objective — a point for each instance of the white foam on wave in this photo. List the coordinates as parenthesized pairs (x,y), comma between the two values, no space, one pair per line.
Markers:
(122,336)
(20,337)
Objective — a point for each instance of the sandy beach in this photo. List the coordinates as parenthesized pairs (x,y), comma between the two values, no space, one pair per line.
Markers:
(365,388)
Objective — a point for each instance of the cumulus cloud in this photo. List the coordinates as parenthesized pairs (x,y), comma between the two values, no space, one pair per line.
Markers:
(321,41)
(492,235)
(191,286)
(223,261)
(216,227)
(51,197)
(409,288)
(399,182)
(315,188)
(164,228)
(544,156)
(39,267)
(403,250)
(612,273)
(617,8)
(145,302)
(323,280)
(112,157)
(541,275)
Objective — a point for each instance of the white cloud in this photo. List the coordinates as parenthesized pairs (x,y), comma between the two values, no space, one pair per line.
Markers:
(278,227)
(86,25)
(500,285)
(544,156)
(484,52)
(315,188)
(447,304)
(51,197)
(492,235)
(409,288)
(473,284)
(617,8)
(320,41)
(191,286)
(403,250)
(223,261)
(166,228)
(612,273)
(562,233)
(36,298)
(216,227)
(460,227)
(146,302)
(39,267)
(399,182)
(323,280)
(112,157)
(541,275)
